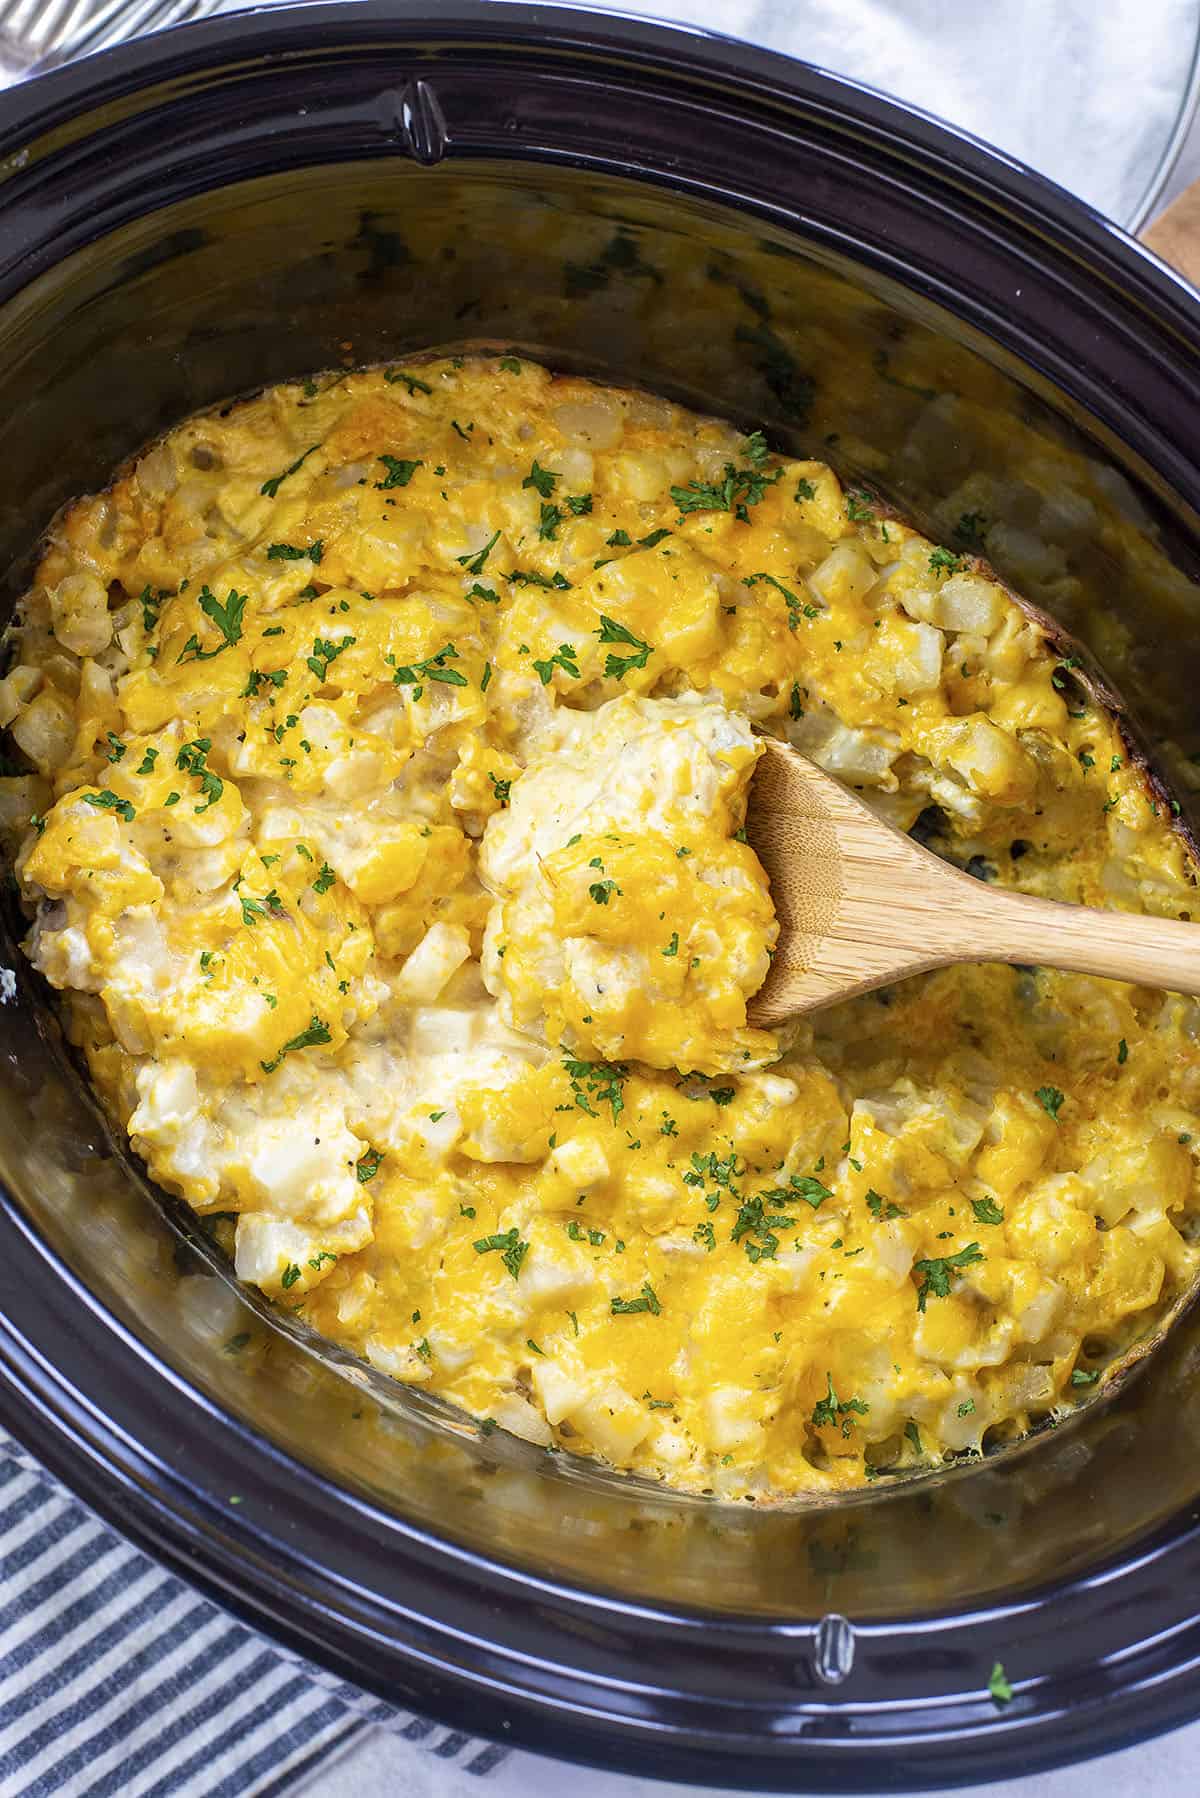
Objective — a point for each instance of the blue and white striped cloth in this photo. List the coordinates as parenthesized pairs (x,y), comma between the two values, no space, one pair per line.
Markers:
(119,1681)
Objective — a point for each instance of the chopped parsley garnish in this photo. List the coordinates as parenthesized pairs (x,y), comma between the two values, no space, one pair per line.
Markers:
(253,909)
(510,365)
(271,488)
(797,608)
(262,677)
(795,708)
(191,760)
(998,1686)
(672,947)
(601,891)
(150,602)
(108,801)
(474,560)
(828,1410)
(619,540)
(882,1209)
(530,578)
(578,504)
(967,1408)
(400,471)
(501,788)
(616,667)
(394,375)
(1122,1053)
(290,1275)
(324,652)
(367,1166)
(116,749)
(1050,1099)
(800,1186)
(543,480)
(228,619)
(652,539)
(290,552)
(603,1081)
(509,1245)
(648,1301)
(859,509)
(987,1211)
(736,492)
(944,561)
(432,668)
(1081,1377)
(317,1032)
(564,657)
(935,1272)
(912,1434)
(324,880)
(548,522)
(757,1226)
(485,593)
(804,490)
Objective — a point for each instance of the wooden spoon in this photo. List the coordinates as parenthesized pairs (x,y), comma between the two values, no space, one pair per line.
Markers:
(860,904)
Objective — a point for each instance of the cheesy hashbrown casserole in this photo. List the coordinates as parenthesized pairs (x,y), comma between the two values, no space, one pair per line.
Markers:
(382,747)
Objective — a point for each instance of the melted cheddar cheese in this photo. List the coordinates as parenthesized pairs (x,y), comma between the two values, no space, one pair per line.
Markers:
(383,747)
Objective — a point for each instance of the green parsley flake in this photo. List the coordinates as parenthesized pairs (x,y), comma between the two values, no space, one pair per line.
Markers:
(400,471)
(317,1033)
(828,1411)
(433,668)
(736,492)
(271,488)
(542,480)
(324,652)
(509,1245)
(290,552)
(566,657)
(108,801)
(474,560)
(393,376)
(935,1272)
(228,619)
(648,1301)
(987,1211)
(998,1686)
(616,667)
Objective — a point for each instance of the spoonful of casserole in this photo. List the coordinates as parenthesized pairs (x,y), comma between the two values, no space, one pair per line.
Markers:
(859,904)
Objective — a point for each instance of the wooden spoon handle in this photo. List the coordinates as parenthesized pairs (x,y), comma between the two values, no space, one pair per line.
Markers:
(1117,945)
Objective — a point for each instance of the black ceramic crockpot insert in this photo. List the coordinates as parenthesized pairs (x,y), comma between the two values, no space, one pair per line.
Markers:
(277,192)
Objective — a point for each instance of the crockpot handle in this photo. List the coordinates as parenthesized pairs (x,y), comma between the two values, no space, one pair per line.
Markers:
(1175,234)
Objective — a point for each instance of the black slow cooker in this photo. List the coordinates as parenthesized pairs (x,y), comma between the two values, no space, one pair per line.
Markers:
(236,203)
